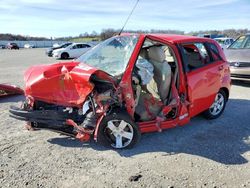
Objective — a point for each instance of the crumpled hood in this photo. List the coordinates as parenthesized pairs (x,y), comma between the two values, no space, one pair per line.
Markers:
(61,83)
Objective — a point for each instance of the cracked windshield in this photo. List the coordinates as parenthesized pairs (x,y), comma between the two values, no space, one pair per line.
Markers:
(112,55)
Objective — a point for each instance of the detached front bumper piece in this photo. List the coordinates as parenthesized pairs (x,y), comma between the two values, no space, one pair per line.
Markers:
(38,116)
(43,119)
(7,89)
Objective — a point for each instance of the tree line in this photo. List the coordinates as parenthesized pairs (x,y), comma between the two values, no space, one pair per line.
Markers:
(232,33)
(11,37)
(107,33)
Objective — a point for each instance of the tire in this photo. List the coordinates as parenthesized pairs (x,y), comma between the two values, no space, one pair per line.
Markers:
(217,108)
(117,130)
(64,55)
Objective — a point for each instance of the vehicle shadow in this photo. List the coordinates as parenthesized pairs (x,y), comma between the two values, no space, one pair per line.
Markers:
(12,98)
(68,141)
(66,59)
(223,140)
(241,83)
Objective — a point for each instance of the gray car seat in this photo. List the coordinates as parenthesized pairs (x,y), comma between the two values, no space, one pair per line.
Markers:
(193,58)
(160,84)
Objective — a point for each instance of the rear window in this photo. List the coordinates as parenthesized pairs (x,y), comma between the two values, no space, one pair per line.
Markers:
(196,55)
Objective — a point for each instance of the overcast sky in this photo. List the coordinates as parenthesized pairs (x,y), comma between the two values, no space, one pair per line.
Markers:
(55,18)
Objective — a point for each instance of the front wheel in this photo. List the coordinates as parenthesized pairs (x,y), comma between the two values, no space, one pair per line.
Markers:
(217,108)
(64,55)
(118,131)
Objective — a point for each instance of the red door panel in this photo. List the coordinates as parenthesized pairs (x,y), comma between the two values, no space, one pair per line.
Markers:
(203,84)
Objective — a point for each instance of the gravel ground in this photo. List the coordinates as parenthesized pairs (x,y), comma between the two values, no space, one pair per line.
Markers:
(201,154)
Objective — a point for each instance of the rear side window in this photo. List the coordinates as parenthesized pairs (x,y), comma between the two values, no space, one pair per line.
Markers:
(83,46)
(86,46)
(214,52)
(195,55)
(79,45)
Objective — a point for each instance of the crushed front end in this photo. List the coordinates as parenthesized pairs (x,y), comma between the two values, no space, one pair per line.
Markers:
(67,98)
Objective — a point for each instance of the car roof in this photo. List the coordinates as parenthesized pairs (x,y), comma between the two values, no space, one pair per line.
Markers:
(80,43)
(173,38)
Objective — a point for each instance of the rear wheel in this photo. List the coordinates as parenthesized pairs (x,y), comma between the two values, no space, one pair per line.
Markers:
(118,131)
(217,108)
(64,55)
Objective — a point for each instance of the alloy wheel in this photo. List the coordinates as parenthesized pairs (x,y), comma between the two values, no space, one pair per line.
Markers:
(218,104)
(120,133)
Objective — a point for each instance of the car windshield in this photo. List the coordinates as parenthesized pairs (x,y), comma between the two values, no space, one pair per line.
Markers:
(112,55)
(65,45)
(241,43)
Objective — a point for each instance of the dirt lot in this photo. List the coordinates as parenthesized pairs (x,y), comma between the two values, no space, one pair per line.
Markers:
(201,154)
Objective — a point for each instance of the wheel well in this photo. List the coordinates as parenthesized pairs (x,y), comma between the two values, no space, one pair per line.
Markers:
(226,91)
(65,53)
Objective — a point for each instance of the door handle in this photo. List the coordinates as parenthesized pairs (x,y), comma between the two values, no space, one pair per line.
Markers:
(220,67)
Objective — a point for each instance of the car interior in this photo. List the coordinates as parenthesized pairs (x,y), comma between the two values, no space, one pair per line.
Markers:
(153,96)
(196,55)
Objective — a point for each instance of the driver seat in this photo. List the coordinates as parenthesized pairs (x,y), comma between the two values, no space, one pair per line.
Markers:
(160,84)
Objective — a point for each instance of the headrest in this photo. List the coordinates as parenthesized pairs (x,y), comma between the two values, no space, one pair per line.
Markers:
(156,53)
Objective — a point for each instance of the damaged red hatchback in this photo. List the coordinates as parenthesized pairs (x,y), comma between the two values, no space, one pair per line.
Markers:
(128,85)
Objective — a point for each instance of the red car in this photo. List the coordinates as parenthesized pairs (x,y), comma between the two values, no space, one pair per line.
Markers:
(12,45)
(128,85)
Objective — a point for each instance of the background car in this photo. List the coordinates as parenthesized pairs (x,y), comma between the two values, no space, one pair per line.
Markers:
(238,55)
(56,45)
(2,46)
(50,50)
(224,41)
(29,46)
(12,46)
(72,51)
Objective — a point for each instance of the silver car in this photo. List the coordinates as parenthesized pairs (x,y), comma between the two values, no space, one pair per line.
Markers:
(224,42)
(238,55)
